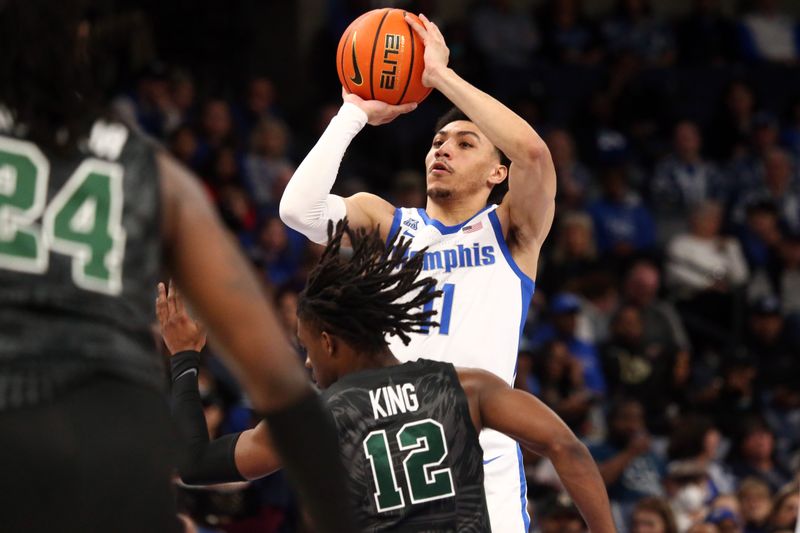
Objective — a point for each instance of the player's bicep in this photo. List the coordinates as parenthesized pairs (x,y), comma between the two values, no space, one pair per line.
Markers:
(531,199)
(368,211)
(521,416)
(254,455)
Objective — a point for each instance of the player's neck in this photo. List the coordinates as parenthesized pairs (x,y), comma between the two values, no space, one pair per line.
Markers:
(372,360)
(452,212)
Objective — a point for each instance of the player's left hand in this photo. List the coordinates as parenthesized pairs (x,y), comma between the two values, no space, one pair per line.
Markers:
(436,52)
(180,332)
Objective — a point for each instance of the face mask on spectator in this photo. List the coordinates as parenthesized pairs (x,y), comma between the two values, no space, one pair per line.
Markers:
(690,498)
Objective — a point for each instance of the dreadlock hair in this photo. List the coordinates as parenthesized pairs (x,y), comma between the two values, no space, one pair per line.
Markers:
(361,298)
(48,76)
(499,190)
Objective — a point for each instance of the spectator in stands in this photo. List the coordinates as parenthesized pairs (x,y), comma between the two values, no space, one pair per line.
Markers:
(633,30)
(755,499)
(278,254)
(183,145)
(694,437)
(725,519)
(769,34)
(652,372)
(574,178)
(146,109)
(705,36)
(267,158)
(784,508)
(706,269)
(506,39)
(735,394)
(564,309)
(652,515)
(216,130)
(754,454)
(567,36)
(686,485)
(661,321)
(790,135)
(747,171)
(629,466)
(683,179)
(561,387)
(788,285)
(730,132)
(771,342)
(778,187)
(182,93)
(761,240)
(574,254)
(260,104)
(623,225)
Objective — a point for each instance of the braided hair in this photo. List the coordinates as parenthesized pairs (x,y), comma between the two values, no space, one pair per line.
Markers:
(370,294)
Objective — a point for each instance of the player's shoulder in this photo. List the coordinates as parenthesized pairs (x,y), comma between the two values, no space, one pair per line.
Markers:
(474,380)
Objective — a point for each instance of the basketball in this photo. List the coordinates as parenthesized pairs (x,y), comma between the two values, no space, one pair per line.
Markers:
(380,57)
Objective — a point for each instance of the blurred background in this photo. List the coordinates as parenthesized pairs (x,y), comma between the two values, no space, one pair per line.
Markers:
(665,328)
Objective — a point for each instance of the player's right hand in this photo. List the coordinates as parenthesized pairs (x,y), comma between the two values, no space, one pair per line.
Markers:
(378,112)
(180,332)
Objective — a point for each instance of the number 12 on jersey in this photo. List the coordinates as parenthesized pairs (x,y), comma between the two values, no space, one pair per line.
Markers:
(425,477)
(448,293)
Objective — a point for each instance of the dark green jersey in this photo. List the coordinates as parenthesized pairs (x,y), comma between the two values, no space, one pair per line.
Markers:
(79,260)
(410,449)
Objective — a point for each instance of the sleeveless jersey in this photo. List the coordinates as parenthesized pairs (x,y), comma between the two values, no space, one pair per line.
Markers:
(485,294)
(481,314)
(411,450)
(79,261)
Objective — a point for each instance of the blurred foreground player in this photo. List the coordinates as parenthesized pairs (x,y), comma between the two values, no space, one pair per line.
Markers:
(483,255)
(89,214)
(408,432)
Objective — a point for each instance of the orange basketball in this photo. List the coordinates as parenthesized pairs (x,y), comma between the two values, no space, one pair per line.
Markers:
(380,57)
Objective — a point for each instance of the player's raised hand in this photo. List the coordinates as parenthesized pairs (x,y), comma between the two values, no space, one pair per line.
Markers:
(378,112)
(436,52)
(180,332)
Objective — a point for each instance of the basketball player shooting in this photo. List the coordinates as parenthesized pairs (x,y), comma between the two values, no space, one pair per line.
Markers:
(483,256)
(407,432)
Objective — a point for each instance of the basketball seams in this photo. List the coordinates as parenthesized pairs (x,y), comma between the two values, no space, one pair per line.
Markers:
(410,63)
(374,49)
(344,49)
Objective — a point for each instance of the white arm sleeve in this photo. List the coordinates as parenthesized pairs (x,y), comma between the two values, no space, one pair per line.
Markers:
(307,204)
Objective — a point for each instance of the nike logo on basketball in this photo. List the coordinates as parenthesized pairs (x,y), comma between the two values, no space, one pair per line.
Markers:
(357,77)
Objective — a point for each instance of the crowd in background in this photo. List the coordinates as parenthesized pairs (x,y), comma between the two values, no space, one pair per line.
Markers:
(665,326)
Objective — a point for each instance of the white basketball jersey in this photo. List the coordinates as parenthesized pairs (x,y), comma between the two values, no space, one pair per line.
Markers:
(485,295)
(485,298)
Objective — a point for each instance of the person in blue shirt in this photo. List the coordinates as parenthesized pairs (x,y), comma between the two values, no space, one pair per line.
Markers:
(564,308)
(623,225)
(627,462)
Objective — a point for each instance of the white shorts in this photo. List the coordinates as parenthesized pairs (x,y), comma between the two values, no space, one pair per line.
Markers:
(504,483)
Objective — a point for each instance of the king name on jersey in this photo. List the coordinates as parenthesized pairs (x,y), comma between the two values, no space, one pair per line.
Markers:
(393,399)
(459,257)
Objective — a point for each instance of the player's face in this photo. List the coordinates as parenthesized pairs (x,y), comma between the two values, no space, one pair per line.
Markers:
(318,357)
(461,162)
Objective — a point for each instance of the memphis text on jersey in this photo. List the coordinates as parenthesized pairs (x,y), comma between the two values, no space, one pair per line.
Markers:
(459,257)
(393,399)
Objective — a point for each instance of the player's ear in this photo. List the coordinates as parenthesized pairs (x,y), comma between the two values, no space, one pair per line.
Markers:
(328,343)
(499,173)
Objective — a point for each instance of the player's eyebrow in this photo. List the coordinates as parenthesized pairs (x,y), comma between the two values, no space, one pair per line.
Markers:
(459,133)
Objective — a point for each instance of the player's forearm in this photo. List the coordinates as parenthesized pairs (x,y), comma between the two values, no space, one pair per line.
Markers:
(201,461)
(504,128)
(307,205)
(580,476)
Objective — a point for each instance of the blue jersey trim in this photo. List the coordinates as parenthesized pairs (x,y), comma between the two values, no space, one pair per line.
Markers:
(523,491)
(501,241)
(446,230)
(398,216)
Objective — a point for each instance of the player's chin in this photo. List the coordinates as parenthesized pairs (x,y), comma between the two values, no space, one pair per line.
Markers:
(436,192)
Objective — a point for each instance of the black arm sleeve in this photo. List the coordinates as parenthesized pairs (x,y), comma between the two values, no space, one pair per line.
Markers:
(201,461)
(305,436)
